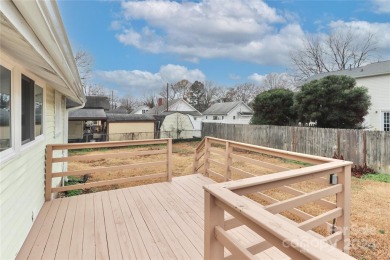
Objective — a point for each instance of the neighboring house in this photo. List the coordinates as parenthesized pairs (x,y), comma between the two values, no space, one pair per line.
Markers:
(376,78)
(176,125)
(37,73)
(178,105)
(228,113)
(88,123)
(140,110)
(80,130)
(129,127)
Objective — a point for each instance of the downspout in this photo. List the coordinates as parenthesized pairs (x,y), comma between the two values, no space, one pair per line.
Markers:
(65,141)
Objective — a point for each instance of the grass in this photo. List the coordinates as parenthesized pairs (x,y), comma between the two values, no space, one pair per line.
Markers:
(72,180)
(381,177)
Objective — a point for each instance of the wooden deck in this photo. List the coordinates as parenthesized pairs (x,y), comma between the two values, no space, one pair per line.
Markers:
(156,221)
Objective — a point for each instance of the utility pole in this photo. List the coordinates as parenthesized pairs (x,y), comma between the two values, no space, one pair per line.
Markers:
(112,99)
(167,97)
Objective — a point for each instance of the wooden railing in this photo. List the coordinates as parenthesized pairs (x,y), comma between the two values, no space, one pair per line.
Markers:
(251,202)
(50,159)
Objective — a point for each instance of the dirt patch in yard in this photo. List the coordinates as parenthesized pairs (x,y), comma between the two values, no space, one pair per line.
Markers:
(370,205)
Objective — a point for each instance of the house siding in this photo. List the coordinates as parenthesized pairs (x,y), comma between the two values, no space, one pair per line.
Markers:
(232,117)
(22,184)
(379,90)
(130,130)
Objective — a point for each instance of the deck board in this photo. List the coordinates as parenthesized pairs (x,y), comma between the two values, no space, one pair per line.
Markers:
(155,221)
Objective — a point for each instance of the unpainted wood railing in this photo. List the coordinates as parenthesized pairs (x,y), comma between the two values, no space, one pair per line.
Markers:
(50,148)
(297,240)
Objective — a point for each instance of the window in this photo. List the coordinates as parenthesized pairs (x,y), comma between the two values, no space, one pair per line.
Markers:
(234,117)
(215,118)
(222,117)
(5,109)
(38,99)
(32,102)
(206,117)
(386,121)
(27,110)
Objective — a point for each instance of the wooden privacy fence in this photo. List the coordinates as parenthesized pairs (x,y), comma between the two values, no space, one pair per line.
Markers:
(50,148)
(248,202)
(358,146)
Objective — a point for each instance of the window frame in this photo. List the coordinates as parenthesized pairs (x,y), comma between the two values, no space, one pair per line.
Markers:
(17,72)
(383,112)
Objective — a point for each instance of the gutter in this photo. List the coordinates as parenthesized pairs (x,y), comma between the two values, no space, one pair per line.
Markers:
(66,133)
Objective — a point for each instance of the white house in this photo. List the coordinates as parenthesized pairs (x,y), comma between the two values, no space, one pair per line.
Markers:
(376,78)
(140,110)
(228,113)
(37,73)
(179,105)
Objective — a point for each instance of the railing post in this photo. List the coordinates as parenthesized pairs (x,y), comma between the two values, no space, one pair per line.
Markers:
(195,164)
(343,201)
(169,159)
(48,172)
(207,146)
(228,161)
(213,216)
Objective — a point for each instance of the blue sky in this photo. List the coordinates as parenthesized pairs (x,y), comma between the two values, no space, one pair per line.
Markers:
(138,46)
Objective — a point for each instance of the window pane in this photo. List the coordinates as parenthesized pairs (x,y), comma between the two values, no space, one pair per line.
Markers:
(386,121)
(27,110)
(38,97)
(5,108)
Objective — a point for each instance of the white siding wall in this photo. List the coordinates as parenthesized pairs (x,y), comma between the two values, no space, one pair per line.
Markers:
(379,90)
(232,117)
(22,184)
(181,106)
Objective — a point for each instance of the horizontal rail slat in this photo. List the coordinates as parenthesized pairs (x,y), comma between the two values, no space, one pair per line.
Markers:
(104,169)
(321,202)
(275,152)
(303,199)
(237,250)
(216,162)
(108,155)
(217,151)
(259,163)
(215,173)
(337,236)
(320,219)
(111,144)
(246,186)
(216,141)
(108,182)
(231,223)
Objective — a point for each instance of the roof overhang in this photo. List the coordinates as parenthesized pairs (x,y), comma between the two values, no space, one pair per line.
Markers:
(32,33)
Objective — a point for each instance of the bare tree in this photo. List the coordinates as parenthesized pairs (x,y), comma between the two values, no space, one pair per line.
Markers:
(245,92)
(340,49)
(211,91)
(277,80)
(129,102)
(178,90)
(84,62)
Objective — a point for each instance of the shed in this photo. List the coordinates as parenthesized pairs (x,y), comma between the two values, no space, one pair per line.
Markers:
(130,127)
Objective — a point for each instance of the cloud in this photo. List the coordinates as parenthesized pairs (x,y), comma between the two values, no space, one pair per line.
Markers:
(247,30)
(382,6)
(381,33)
(256,78)
(138,83)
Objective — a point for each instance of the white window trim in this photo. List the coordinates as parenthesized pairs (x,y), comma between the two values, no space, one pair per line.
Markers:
(383,119)
(17,148)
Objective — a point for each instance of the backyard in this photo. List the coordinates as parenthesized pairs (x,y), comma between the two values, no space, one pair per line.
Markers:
(370,228)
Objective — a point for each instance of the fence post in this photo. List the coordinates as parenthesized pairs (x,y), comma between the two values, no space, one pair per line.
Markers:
(48,172)
(207,146)
(213,216)
(228,161)
(169,159)
(343,201)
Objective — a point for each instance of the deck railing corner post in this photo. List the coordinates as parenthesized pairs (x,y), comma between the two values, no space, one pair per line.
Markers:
(213,216)
(48,172)
(169,160)
(228,161)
